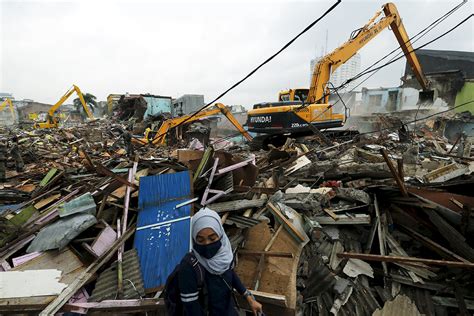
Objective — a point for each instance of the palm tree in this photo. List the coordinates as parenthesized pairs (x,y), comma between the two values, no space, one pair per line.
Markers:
(90,101)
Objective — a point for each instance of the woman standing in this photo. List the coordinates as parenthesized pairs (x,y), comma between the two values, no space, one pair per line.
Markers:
(213,252)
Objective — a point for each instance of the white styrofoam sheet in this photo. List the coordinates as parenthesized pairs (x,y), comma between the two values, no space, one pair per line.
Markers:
(30,283)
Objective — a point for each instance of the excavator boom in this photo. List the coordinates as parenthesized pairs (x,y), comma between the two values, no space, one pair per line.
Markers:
(51,120)
(277,120)
(319,92)
(10,104)
(160,138)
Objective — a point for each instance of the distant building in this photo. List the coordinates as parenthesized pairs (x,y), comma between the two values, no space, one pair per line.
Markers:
(381,99)
(187,104)
(451,74)
(30,111)
(5,95)
(142,106)
(347,70)
(157,104)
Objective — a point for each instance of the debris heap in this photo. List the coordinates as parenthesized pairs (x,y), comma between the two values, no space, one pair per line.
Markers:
(365,225)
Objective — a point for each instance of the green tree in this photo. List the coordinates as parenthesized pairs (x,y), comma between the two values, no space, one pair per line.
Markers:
(90,101)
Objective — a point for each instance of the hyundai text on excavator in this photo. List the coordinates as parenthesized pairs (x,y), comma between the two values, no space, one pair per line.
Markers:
(52,121)
(300,111)
(161,135)
(10,104)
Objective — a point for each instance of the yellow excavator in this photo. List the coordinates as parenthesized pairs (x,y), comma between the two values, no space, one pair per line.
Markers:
(166,126)
(301,110)
(10,104)
(52,121)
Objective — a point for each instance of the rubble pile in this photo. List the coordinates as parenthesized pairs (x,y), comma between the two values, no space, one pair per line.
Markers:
(368,225)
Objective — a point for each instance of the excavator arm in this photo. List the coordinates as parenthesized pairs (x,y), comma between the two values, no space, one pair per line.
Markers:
(318,92)
(51,120)
(83,102)
(10,104)
(160,138)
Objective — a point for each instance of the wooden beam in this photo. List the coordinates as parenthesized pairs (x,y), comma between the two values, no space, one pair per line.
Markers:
(82,279)
(400,183)
(446,253)
(236,205)
(380,234)
(101,169)
(284,221)
(380,258)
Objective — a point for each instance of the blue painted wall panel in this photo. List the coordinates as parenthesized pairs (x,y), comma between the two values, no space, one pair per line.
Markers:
(157,105)
(160,248)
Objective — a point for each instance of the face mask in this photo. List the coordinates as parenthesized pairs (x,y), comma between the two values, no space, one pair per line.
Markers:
(208,251)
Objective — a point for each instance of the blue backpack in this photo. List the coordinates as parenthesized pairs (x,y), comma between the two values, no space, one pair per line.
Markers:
(171,292)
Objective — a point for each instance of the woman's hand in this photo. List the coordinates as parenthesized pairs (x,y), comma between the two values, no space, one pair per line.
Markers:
(255,306)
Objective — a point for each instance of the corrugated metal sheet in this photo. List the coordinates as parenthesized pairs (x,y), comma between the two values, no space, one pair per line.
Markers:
(82,204)
(160,248)
(106,285)
(320,280)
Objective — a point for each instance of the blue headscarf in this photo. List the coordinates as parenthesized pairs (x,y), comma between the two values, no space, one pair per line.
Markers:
(221,262)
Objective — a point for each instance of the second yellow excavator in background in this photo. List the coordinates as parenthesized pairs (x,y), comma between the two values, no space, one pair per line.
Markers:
(300,111)
(52,121)
(10,104)
(160,136)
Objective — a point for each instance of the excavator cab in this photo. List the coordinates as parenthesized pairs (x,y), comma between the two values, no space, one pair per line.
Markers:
(299,94)
(290,117)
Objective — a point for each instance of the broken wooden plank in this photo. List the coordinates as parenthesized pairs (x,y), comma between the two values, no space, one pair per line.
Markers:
(284,221)
(65,295)
(454,238)
(40,204)
(380,258)
(396,176)
(237,205)
(105,171)
(446,173)
(356,219)
(380,234)
(446,253)
(451,302)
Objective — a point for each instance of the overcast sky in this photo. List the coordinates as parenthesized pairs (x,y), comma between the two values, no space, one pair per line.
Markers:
(175,48)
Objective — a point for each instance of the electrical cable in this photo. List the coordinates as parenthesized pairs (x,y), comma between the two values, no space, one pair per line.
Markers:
(386,64)
(421,33)
(259,66)
(414,50)
(413,40)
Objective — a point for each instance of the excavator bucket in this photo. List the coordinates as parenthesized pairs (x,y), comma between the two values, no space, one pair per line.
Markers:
(426,96)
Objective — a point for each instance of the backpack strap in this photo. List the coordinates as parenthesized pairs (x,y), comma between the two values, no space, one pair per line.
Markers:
(191,259)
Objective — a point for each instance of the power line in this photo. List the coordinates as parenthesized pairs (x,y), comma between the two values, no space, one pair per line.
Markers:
(373,71)
(413,40)
(259,66)
(420,34)
(384,65)
(419,47)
